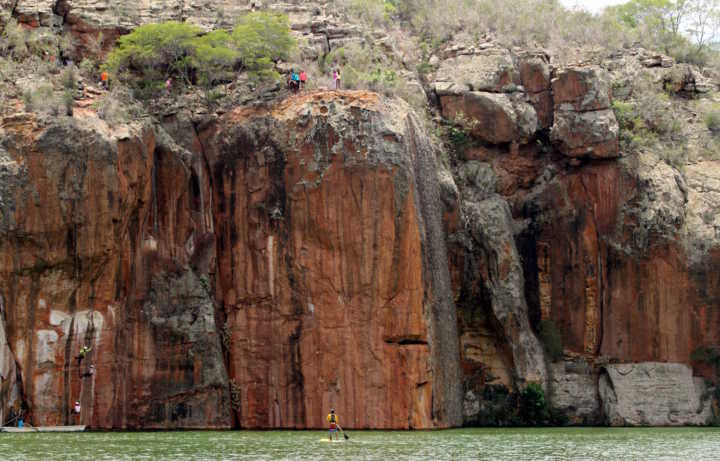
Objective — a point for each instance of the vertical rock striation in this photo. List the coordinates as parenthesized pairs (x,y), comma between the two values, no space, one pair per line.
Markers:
(329,265)
(99,226)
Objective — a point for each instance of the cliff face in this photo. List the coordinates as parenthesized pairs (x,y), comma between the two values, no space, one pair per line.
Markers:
(97,250)
(256,267)
(325,268)
(614,253)
(285,262)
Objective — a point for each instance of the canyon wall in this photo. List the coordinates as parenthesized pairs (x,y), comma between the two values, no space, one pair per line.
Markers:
(255,267)
(267,266)
(614,251)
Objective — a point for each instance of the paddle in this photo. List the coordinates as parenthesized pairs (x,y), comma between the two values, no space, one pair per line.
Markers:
(343,433)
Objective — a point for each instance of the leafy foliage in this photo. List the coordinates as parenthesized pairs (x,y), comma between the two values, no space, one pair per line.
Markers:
(533,408)
(712,119)
(647,121)
(375,12)
(152,53)
(262,38)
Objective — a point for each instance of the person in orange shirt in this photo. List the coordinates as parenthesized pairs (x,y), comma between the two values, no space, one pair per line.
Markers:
(104,79)
(333,419)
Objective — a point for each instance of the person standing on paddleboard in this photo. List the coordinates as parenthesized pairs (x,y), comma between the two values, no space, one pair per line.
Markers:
(332,419)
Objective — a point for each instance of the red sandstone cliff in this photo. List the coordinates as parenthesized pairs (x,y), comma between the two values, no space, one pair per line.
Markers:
(253,269)
(279,269)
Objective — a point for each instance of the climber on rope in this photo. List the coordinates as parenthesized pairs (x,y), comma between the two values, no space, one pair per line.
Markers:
(84,351)
(89,372)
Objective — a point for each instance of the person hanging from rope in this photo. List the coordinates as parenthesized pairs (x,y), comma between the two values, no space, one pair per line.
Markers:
(84,351)
(89,372)
(75,411)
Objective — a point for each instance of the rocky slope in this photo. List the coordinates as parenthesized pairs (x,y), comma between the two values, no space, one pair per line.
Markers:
(255,267)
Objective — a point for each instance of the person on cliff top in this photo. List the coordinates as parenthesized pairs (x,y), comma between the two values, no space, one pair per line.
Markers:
(303,79)
(332,419)
(83,353)
(295,77)
(336,78)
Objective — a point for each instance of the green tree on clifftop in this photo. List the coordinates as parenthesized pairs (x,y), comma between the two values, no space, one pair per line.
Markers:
(261,39)
(152,53)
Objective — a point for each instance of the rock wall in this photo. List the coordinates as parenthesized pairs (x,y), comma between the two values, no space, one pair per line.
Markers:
(653,394)
(97,250)
(316,24)
(253,269)
(322,271)
(615,255)
(264,267)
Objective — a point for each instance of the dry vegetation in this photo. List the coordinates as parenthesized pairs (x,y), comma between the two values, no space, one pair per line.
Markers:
(685,29)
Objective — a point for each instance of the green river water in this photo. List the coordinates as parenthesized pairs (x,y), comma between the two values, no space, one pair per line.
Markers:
(491,444)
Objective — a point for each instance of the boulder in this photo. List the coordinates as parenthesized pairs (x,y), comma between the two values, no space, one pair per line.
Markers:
(581,89)
(535,70)
(591,134)
(492,70)
(653,394)
(492,117)
(574,391)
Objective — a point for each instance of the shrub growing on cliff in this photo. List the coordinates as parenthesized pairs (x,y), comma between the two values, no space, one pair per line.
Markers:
(647,122)
(13,39)
(712,119)
(533,409)
(152,53)
(40,99)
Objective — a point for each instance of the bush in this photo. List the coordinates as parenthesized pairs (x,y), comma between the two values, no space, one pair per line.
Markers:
(551,339)
(68,100)
(213,58)
(712,119)
(533,409)
(89,69)
(40,99)
(68,79)
(647,121)
(152,53)
(13,40)
(374,12)
(118,106)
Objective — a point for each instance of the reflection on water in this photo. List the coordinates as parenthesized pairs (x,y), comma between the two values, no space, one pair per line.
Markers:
(490,444)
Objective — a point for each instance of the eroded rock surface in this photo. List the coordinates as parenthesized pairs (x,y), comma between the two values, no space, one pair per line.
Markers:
(325,266)
(95,215)
(252,272)
(653,394)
